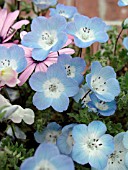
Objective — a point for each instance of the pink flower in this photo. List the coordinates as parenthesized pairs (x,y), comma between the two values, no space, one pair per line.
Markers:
(7,26)
(8,77)
(33,65)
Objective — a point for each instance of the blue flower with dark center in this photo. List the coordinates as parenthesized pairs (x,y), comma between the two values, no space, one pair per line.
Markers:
(102,81)
(101,107)
(92,145)
(123,2)
(49,134)
(66,11)
(86,30)
(65,141)
(49,37)
(43,4)
(73,66)
(47,157)
(53,88)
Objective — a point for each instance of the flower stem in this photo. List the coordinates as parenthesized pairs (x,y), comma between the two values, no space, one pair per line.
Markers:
(80,52)
(117,41)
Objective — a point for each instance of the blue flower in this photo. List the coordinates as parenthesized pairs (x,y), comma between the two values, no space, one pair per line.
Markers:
(46,157)
(13,57)
(104,108)
(65,141)
(83,95)
(92,145)
(66,11)
(73,66)
(86,30)
(49,36)
(123,2)
(125,42)
(125,143)
(49,134)
(102,81)
(53,88)
(117,160)
(43,4)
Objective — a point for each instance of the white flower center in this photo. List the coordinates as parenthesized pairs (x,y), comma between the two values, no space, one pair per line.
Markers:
(98,84)
(102,105)
(8,63)
(45,165)
(53,88)
(47,2)
(117,157)
(70,140)
(47,39)
(62,12)
(85,34)
(93,144)
(52,136)
(70,70)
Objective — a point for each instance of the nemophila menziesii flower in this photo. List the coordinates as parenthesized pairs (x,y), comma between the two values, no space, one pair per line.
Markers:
(53,88)
(102,81)
(73,66)
(47,157)
(49,134)
(125,143)
(117,160)
(83,95)
(49,37)
(12,62)
(34,65)
(7,26)
(65,140)
(66,11)
(92,145)
(123,2)
(86,30)
(125,42)
(15,112)
(101,107)
(43,4)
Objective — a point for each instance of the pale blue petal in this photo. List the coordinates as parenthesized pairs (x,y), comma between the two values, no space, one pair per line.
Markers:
(40,101)
(4,53)
(46,152)
(62,162)
(126,159)
(60,104)
(28,164)
(36,81)
(125,42)
(95,67)
(71,28)
(107,142)
(98,160)
(17,53)
(80,21)
(39,137)
(107,73)
(40,54)
(96,129)
(62,39)
(79,95)
(31,40)
(81,43)
(68,127)
(125,140)
(101,37)
(79,63)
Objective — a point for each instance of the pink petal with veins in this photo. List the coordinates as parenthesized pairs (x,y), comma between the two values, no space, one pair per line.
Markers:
(3,15)
(26,74)
(11,17)
(15,27)
(41,67)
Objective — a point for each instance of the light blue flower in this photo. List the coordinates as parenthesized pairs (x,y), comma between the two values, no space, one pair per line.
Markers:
(13,57)
(73,66)
(46,157)
(125,143)
(83,95)
(92,145)
(44,4)
(102,81)
(125,42)
(116,160)
(65,141)
(86,30)
(123,2)
(53,88)
(49,36)
(49,134)
(66,11)
(101,107)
